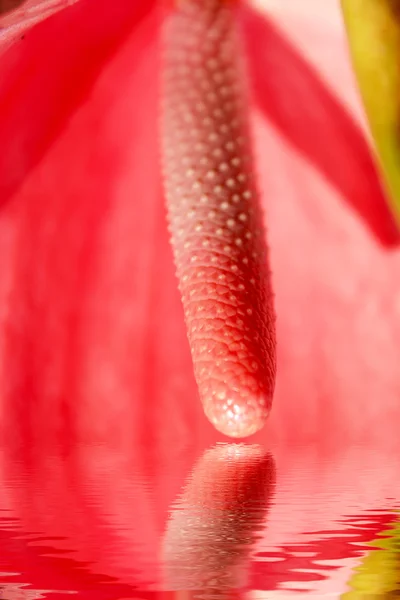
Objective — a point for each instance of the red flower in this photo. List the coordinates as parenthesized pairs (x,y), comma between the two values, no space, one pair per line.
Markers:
(93,340)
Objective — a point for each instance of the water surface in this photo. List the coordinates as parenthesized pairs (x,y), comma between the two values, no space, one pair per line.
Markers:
(223,521)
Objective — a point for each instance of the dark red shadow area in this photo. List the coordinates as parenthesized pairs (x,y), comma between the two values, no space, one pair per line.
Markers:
(37,102)
(9,5)
(293,97)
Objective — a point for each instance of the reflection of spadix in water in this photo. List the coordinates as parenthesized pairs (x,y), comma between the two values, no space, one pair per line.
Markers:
(214,524)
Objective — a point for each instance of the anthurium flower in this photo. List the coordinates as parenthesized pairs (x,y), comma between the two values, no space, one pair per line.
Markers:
(94,345)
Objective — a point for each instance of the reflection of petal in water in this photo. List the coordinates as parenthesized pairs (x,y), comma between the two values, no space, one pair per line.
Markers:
(19,592)
(212,528)
(32,567)
(80,523)
(81,504)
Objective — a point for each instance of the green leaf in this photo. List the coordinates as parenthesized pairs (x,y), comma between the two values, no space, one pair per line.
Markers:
(373,28)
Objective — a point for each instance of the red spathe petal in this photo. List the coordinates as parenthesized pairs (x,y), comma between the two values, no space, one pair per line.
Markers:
(336,285)
(82,200)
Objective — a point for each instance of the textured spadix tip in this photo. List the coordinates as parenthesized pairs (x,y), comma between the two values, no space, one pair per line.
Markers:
(238,415)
